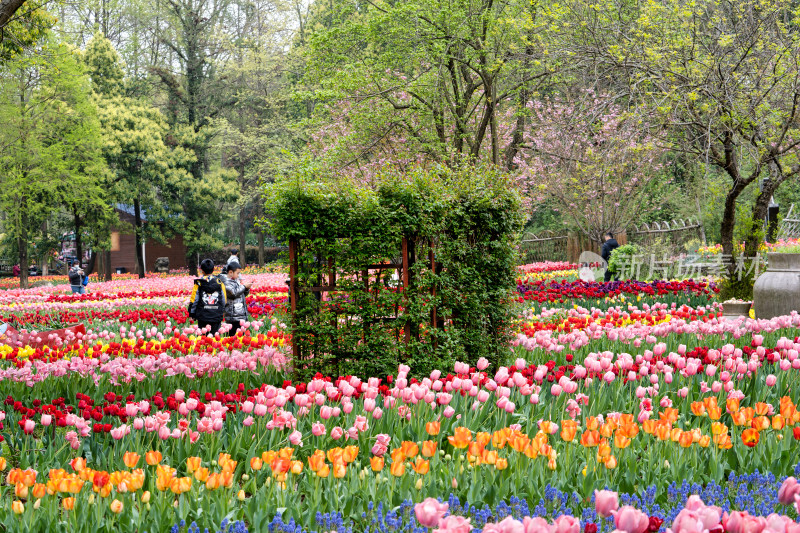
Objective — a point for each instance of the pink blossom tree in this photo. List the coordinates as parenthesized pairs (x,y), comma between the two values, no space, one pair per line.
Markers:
(592,159)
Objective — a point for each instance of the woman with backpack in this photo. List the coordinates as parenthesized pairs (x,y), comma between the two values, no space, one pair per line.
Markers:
(236,293)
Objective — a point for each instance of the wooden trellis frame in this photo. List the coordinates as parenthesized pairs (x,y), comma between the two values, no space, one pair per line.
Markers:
(408,259)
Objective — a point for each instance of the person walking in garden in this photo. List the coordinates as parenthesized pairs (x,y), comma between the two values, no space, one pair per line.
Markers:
(236,293)
(609,246)
(76,277)
(208,298)
(234,257)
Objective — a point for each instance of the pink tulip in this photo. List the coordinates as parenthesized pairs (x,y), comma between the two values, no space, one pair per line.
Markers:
(566,524)
(631,520)
(318,429)
(29,426)
(336,433)
(454,524)
(605,502)
(483,364)
(248,421)
(378,413)
(296,438)
(536,525)
(771,380)
(789,490)
(47,419)
(429,512)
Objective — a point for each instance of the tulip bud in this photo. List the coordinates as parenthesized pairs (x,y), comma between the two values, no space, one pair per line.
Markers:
(418,484)
(146,496)
(454,483)
(240,495)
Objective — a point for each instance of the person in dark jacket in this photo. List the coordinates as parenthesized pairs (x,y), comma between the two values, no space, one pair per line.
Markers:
(236,293)
(207,303)
(76,276)
(609,246)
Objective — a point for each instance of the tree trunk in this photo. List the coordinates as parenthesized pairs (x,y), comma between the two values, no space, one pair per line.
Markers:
(91,264)
(22,245)
(260,212)
(137,213)
(756,234)
(107,266)
(191,263)
(78,242)
(726,230)
(243,236)
(7,10)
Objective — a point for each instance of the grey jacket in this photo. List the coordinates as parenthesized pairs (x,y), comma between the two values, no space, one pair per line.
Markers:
(236,307)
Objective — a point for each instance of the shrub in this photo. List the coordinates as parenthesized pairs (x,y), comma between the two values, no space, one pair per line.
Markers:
(465,219)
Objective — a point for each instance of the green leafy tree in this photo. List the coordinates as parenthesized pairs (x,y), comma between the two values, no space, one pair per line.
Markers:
(52,140)
(147,170)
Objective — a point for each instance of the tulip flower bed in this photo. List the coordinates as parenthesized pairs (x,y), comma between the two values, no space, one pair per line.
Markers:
(143,424)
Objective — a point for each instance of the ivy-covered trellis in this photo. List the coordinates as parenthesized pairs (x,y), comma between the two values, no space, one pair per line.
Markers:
(415,269)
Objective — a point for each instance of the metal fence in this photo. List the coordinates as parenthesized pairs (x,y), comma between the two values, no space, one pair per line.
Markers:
(550,246)
(790,225)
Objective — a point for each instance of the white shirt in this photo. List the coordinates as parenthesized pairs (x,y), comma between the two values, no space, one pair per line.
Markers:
(232,258)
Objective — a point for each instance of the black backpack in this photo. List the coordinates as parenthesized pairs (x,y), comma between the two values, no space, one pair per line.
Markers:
(210,306)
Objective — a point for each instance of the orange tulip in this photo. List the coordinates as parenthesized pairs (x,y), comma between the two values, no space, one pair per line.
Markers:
(649,426)
(569,429)
(433,428)
(21,490)
(409,449)
(339,470)
(256,463)
(475,448)
(3,463)
(376,463)
(675,434)
(610,462)
(421,466)
(152,457)
(316,460)
(723,442)
(686,438)
(489,457)
(621,441)
(270,456)
(333,453)
(17,507)
(297,467)
(500,438)
(226,479)
(131,459)
(762,408)
(461,437)
(201,474)
(398,468)
(212,483)
(750,437)
(532,450)
(732,405)
(286,453)
(193,463)
(483,438)
(116,506)
(590,438)
(324,471)
(718,428)
(663,431)
(280,466)
(761,423)
(350,453)
(39,490)
(518,441)
(428,448)
(778,422)
(78,464)
(698,408)
(68,503)
(705,440)
(397,455)
(501,464)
